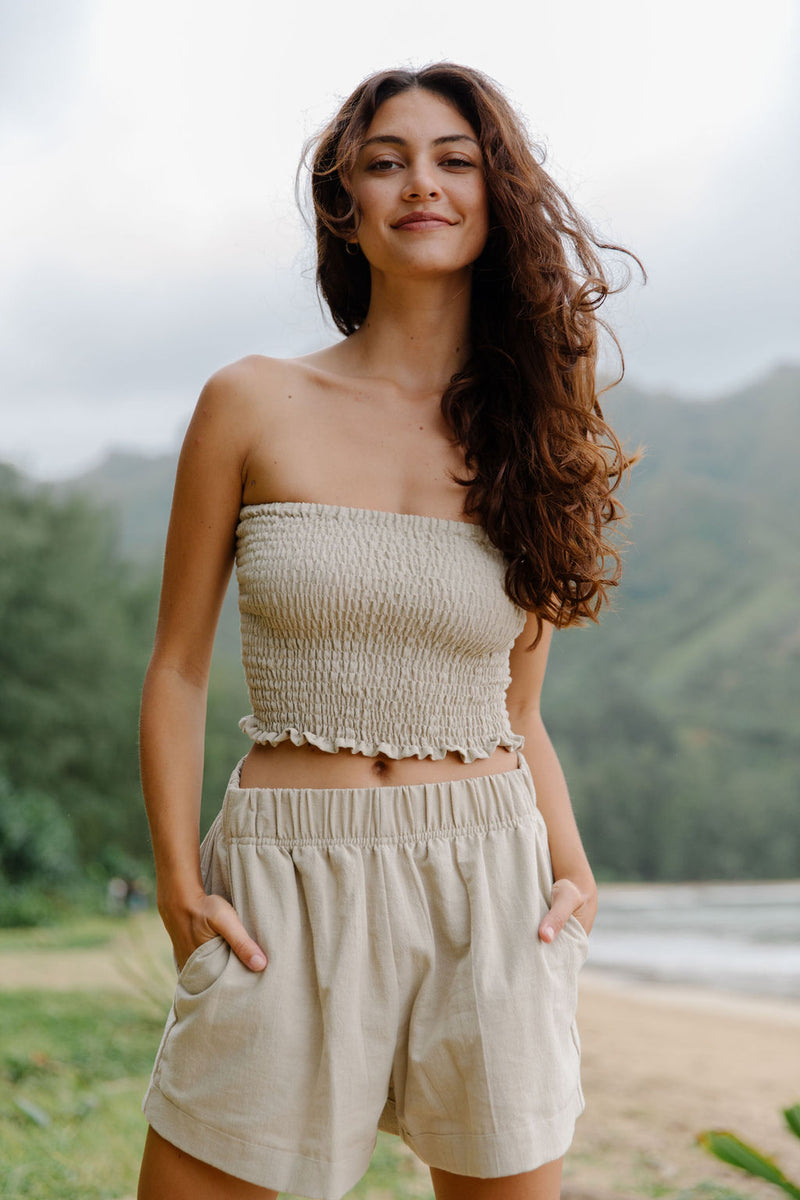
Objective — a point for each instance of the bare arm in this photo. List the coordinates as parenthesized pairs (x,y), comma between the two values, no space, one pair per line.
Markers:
(197,566)
(574,890)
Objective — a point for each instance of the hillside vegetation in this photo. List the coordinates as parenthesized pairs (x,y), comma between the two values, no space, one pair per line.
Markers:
(681,713)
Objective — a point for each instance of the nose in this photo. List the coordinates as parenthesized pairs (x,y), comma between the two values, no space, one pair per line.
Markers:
(420,183)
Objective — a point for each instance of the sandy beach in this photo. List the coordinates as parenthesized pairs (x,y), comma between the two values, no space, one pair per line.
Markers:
(660,1064)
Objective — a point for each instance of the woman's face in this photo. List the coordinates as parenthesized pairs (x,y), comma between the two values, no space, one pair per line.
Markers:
(419,185)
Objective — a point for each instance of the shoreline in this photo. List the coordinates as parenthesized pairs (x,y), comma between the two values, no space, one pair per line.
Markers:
(694,997)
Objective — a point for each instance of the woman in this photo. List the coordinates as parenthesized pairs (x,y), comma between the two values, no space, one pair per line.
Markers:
(370,936)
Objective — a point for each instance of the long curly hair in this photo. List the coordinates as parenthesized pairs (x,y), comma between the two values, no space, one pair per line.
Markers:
(544,464)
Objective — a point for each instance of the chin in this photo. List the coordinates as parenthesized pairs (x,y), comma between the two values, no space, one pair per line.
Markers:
(422,265)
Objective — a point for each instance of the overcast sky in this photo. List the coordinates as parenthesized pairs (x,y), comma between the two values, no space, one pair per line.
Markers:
(147,155)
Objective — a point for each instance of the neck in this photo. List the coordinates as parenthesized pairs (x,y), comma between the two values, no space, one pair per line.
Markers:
(416,332)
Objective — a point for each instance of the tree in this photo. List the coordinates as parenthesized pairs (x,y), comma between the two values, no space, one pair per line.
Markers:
(74,640)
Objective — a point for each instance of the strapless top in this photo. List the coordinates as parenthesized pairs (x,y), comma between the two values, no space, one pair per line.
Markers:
(379,632)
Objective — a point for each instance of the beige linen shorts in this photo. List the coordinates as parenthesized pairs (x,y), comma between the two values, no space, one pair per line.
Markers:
(406,990)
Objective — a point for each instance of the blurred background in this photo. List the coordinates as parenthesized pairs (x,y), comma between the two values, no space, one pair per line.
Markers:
(150,234)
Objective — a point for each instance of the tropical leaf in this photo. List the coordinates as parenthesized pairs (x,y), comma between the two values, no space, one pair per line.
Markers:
(792,1116)
(731,1149)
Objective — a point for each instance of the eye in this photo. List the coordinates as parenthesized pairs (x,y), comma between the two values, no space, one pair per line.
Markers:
(454,160)
(382,164)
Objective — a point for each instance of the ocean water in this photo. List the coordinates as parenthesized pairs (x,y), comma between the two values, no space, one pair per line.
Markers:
(738,937)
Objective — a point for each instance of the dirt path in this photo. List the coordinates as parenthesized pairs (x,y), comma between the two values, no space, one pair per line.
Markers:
(140,950)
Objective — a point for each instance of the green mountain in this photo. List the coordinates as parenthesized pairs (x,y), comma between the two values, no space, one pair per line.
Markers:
(678,718)
(137,490)
(699,661)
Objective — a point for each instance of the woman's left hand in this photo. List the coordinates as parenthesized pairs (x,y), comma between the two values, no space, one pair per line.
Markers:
(568,899)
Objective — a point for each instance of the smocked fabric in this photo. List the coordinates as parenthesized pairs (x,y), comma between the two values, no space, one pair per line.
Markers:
(379,632)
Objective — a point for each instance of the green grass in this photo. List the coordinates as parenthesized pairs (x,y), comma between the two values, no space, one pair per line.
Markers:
(74,1067)
(709,1191)
(73,1070)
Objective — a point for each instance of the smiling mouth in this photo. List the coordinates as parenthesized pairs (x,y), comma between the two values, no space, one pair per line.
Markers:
(420,220)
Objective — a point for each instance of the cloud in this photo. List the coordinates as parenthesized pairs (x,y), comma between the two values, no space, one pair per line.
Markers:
(723,302)
(89,365)
(41,55)
(93,339)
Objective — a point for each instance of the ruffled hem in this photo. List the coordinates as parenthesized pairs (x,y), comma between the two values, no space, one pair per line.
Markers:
(251,726)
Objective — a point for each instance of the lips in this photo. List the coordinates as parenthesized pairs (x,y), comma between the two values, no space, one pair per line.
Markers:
(420,218)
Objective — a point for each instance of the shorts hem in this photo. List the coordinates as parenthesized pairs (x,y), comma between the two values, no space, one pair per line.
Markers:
(265,1166)
(494,1155)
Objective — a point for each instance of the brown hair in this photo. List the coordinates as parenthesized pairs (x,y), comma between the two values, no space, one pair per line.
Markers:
(544,463)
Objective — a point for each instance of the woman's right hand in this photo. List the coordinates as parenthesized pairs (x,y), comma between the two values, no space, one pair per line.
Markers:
(203,917)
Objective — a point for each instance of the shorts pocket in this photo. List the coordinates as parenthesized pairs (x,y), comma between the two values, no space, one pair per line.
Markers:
(578,937)
(204,965)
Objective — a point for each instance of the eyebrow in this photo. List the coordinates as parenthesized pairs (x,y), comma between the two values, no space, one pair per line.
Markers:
(394,140)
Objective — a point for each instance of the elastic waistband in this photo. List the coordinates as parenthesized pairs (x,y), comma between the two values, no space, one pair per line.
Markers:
(375,815)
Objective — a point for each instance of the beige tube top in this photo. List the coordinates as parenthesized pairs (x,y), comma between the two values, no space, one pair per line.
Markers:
(379,632)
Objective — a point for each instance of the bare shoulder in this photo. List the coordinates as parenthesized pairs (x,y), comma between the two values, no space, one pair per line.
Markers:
(236,387)
(265,417)
(242,400)
(267,386)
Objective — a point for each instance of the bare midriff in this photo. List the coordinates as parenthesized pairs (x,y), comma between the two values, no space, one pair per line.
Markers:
(290,766)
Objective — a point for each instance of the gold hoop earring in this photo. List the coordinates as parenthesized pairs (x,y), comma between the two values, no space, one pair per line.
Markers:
(351,248)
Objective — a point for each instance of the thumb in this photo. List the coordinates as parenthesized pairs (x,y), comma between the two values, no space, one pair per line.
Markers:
(563,904)
(226,922)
